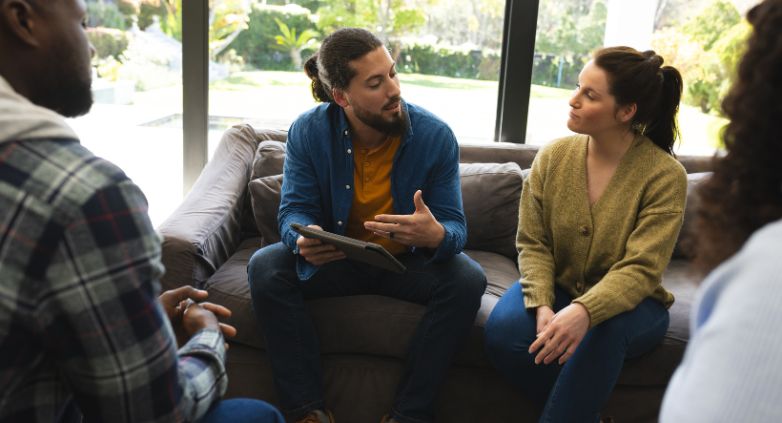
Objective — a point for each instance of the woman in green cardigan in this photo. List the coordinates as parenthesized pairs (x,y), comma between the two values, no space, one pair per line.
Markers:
(599,216)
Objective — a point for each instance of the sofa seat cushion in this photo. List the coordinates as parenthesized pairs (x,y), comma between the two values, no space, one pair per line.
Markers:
(363,324)
(382,326)
(681,282)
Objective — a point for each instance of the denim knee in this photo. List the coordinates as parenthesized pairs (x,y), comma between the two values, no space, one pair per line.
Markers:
(507,333)
(468,280)
(500,332)
(267,265)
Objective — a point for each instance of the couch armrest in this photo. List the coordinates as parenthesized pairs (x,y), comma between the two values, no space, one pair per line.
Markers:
(205,229)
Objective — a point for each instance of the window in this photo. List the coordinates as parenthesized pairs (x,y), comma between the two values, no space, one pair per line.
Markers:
(703,39)
(137,87)
(447,54)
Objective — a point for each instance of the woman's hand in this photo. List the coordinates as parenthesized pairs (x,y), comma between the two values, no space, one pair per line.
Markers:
(543,317)
(561,336)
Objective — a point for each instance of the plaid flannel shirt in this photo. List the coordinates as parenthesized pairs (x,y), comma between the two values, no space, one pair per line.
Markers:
(80,323)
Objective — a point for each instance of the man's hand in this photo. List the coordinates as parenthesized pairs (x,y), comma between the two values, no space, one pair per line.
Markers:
(560,338)
(419,229)
(317,252)
(177,303)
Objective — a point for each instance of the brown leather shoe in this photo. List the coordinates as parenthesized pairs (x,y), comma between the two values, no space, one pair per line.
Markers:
(318,416)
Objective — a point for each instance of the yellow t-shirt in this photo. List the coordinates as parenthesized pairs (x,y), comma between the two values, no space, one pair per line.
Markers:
(372,194)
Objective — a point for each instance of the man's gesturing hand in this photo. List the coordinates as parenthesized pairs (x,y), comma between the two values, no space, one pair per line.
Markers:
(317,252)
(419,229)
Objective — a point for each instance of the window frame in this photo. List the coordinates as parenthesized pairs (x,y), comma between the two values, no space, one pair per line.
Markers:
(515,80)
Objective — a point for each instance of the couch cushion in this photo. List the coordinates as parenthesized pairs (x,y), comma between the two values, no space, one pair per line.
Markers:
(362,324)
(269,158)
(491,193)
(382,326)
(265,200)
(680,279)
(693,180)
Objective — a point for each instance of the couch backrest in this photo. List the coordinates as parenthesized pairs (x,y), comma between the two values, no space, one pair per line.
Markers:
(491,186)
(490,193)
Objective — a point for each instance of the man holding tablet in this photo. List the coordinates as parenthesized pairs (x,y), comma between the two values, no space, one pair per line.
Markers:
(367,165)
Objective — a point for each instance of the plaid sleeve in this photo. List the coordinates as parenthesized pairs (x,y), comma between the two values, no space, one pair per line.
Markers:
(104,324)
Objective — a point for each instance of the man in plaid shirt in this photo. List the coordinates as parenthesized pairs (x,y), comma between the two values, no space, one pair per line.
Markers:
(82,332)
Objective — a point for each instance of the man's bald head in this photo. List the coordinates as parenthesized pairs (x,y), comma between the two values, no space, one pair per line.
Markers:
(46,54)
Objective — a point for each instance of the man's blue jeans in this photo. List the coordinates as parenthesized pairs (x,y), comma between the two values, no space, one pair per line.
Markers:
(576,391)
(451,291)
(242,410)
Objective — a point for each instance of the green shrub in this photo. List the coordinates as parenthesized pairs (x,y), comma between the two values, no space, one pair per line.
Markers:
(444,61)
(556,71)
(108,42)
(720,35)
(148,9)
(106,15)
(257,44)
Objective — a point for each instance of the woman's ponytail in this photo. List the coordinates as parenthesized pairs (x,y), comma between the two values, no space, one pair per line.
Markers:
(663,128)
(640,78)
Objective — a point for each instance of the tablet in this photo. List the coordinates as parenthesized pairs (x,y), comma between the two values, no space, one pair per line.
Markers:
(365,252)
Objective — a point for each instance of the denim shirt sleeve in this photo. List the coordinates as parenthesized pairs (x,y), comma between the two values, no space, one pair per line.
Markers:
(444,199)
(300,195)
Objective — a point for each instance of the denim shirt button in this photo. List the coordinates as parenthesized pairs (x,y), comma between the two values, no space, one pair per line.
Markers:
(350,151)
(346,133)
(339,223)
(347,186)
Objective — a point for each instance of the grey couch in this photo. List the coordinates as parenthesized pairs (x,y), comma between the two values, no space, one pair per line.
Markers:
(210,237)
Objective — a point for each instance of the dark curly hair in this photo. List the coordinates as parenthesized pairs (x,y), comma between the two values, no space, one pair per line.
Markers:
(745,192)
(330,66)
(640,78)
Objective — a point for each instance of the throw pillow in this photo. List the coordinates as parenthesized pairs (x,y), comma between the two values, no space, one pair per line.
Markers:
(269,158)
(265,201)
(491,194)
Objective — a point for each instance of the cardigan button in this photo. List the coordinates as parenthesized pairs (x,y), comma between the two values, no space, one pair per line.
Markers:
(584,230)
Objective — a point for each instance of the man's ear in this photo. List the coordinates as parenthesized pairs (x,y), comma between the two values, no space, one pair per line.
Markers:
(340,97)
(20,19)
(626,113)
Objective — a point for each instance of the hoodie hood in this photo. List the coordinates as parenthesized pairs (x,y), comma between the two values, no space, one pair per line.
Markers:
(22,120)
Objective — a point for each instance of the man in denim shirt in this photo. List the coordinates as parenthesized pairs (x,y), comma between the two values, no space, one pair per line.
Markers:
(367,165)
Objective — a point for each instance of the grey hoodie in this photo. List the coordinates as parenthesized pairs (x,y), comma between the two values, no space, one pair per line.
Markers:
(22,120)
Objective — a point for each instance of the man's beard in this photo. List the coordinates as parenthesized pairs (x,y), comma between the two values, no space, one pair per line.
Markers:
(66,86)
(395,127)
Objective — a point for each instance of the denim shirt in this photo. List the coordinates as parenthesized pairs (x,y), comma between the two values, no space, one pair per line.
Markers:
(317,183)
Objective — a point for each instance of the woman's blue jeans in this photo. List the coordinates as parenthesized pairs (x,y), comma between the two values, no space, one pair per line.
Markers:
(577,390)
(451,291)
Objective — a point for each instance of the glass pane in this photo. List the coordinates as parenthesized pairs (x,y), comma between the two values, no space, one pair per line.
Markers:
(701,38)
(137,87)
(447,53)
